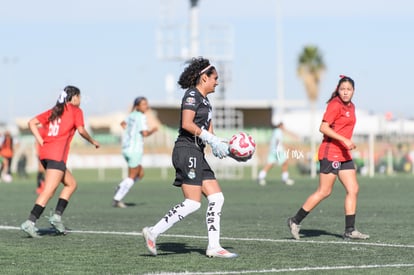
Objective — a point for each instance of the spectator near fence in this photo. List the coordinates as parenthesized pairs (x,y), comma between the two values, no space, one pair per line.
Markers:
(6,152)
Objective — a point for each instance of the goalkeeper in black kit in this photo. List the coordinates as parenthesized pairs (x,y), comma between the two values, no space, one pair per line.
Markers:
(193,174)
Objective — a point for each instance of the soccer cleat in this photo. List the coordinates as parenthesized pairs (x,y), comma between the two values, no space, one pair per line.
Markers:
(150,240)
(29,228)
(289,182)
(355,235)
(220,253)
(261,182)
(118,204)
(56,221)
(294,228)
(7,178)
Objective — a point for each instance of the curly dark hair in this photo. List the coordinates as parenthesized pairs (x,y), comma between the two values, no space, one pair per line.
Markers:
(59,108)
(342,79)
(190,77)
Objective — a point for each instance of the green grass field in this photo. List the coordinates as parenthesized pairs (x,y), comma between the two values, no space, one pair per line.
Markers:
(105,240)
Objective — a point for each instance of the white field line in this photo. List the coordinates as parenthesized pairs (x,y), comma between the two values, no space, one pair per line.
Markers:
(5,227)
(264,271)
(275,270)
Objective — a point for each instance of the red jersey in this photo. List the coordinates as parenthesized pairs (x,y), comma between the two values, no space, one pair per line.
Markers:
(341,118)
(59,133)
(42,132)
(6,149)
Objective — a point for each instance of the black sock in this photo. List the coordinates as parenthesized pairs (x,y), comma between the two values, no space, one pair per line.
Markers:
(300,215)
(36,212)
(40,178)
(349,223)
(61,206)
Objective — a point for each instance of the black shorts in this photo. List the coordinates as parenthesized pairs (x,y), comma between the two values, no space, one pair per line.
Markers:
(327,166)
(53,164)
(190,166)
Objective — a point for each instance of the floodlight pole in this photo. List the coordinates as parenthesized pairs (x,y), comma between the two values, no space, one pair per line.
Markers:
(279,64)
(194,29)
(9,63)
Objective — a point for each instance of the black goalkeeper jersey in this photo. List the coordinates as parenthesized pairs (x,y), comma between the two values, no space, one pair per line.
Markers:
(194,100)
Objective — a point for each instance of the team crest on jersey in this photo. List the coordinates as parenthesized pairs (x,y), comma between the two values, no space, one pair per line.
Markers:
(336,164)
(347,114)
(191,174)
(190,101)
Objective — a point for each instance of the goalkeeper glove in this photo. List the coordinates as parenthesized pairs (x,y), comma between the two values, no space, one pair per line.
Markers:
(218,146)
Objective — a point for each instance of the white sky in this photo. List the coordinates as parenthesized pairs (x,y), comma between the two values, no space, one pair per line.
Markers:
(108,49)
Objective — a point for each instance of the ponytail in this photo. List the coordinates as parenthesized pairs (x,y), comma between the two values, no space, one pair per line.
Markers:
(64,97)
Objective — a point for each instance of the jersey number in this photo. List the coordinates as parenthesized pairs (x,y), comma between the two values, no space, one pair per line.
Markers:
(192,162)
(54,128)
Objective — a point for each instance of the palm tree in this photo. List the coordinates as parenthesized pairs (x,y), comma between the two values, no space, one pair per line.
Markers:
(310,70)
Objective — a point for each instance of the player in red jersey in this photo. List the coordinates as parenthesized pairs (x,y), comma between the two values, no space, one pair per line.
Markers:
(335,159)
(6,152)
(60,123)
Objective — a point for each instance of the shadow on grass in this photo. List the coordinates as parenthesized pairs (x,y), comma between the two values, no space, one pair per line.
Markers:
(309,233)
(48,232)
(133,204)
(177,248)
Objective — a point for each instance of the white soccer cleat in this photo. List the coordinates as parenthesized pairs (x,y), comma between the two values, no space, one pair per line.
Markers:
(118,204)
(294,228)
(355,235)
(150,240)
(261,182)
(56,222)
(220,253)
(7,178)
(289,182)
(30,229)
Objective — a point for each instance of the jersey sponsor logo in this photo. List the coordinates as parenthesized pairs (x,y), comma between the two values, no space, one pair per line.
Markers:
(347,114)
(192,93)
(336,164)
(190,101)
(206,102)
(191,174)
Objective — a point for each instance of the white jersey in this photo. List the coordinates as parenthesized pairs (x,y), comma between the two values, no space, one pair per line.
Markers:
(132,139)
(276,142)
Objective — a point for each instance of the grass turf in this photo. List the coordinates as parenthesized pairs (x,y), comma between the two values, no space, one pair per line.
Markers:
(106,240)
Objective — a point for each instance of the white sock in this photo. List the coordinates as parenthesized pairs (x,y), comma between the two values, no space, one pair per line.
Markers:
(213,214)
(285,176)
(123,189)
(262,175)
(176,214)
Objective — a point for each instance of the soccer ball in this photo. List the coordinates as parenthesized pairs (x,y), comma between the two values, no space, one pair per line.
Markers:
(242,145)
